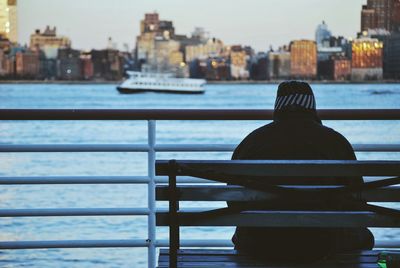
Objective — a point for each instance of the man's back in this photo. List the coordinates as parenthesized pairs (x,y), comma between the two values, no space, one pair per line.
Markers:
(297,133)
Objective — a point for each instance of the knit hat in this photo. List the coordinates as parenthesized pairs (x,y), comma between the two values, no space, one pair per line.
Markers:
(295,95)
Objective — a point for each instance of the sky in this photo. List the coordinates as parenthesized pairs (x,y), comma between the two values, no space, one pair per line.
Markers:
(258,23)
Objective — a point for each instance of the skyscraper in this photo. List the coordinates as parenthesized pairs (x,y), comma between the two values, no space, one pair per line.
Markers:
(380,14)
(322,33)
(367,59)
(303,59)
(9,20)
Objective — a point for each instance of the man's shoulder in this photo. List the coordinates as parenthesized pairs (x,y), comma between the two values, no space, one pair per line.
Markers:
(255,137)
(333,134)
(261,131)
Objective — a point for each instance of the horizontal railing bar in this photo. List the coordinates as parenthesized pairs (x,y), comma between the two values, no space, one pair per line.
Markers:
(99,180)
(74,180)
(197,243)
(92,180)
(231,147)
(33,148)
(195,147)
(376,147)
(228,243)
(73,244)
(139,243)
(185,179)
(160,147)
(44,212)
(186,114)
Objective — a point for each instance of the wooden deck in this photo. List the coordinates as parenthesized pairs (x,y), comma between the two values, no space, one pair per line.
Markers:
(214,258)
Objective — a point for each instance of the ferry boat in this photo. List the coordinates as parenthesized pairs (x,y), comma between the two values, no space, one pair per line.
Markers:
(160,82)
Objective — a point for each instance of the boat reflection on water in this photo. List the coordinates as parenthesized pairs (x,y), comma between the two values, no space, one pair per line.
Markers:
(160,82)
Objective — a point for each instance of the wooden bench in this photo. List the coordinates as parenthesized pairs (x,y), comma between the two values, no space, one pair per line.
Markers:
(242,173)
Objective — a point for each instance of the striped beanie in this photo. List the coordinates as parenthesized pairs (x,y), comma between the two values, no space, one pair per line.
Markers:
(294,95)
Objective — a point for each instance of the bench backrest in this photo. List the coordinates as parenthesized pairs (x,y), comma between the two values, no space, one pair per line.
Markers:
(230,171)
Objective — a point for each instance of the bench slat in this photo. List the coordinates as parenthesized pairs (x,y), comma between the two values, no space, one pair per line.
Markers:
(241,258)
(235,265)
(285,219)
(213,252)
(238,193)
(287,168)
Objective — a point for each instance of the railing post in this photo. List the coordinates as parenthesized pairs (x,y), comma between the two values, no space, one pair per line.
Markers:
(151,194)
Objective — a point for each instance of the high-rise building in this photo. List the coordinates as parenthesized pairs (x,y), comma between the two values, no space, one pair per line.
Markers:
(303,59)
(392,57)
(279,64)
(367,59)
(9,20)
(322,33)
(380,14)
(396,16)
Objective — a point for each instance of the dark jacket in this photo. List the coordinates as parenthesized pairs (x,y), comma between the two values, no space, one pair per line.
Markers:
(301,136)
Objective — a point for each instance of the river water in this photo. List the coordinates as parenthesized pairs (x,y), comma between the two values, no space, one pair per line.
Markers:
(363,96)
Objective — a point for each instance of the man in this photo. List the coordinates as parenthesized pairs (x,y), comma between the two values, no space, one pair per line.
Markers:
(297,133)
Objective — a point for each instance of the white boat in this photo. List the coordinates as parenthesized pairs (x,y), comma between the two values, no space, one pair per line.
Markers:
(160,82)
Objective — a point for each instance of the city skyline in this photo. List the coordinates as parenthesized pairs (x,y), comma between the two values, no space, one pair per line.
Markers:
(263,27)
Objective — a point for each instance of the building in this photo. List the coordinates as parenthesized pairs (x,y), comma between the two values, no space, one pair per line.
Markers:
(238,60)
(48,65)
(152,24)
(325,53)
(380,14)
(211,48)
(3,58)
(69,64)
(259,67)
(164,56)
(367,59)
(279,64)
(392,57)
(217,68)
(87,65)
(9,20)
(145,48)
(336,68)
(107,64)
(303,59)
(48,39)
(152,30)
(27,64)
(396,16)
(322,33)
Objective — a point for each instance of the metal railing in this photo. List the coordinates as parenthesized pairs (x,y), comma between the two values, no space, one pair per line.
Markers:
(151,148)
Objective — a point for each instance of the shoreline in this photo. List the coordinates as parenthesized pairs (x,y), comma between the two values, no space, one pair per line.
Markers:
(237,82)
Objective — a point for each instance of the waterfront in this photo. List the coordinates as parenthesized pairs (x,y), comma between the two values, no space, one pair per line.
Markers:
(106,97)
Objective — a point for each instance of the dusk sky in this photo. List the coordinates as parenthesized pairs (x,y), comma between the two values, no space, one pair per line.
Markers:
(258,23)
